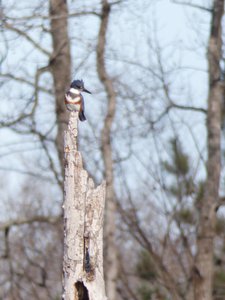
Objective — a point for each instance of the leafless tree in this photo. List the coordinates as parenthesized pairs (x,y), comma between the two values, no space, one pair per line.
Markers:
(203,272)
(138,138)
(111,261)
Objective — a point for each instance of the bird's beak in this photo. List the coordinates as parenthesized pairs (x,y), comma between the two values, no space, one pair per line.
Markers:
(86,91)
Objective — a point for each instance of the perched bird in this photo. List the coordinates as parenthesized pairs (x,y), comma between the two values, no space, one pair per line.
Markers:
(74,100)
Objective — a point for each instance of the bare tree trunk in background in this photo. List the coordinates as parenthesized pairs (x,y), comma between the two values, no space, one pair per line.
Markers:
(203,273)
(60,65)
(111,258)
(83,226)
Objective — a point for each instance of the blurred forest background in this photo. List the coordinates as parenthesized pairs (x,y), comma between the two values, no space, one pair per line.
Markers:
(155,132)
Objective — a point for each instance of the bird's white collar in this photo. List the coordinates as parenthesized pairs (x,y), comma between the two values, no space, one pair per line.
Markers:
(74,91)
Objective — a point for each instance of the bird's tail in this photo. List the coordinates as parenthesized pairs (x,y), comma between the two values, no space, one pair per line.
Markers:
(82,116)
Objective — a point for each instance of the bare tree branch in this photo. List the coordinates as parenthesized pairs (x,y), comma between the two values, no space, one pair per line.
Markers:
(55,17)
(26,172)
(23,221)
(24,80)
(34,106)
(186,107)
(15,121)
(27,37)
(193,5)
(52,165)
(177,106)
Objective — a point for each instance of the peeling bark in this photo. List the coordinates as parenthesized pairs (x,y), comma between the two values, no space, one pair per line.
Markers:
(83,225)
(203,270)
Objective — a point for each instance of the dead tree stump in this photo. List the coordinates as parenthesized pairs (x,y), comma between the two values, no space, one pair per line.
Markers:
(83,225)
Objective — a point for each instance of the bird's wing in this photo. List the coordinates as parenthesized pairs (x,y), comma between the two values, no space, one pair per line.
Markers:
(82,103)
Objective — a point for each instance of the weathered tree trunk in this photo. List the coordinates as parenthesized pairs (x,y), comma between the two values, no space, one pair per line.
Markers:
(60,66)
(83,226)
(111,256)
(203,273)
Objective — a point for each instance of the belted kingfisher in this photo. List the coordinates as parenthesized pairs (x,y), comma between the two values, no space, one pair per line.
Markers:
(74,100)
